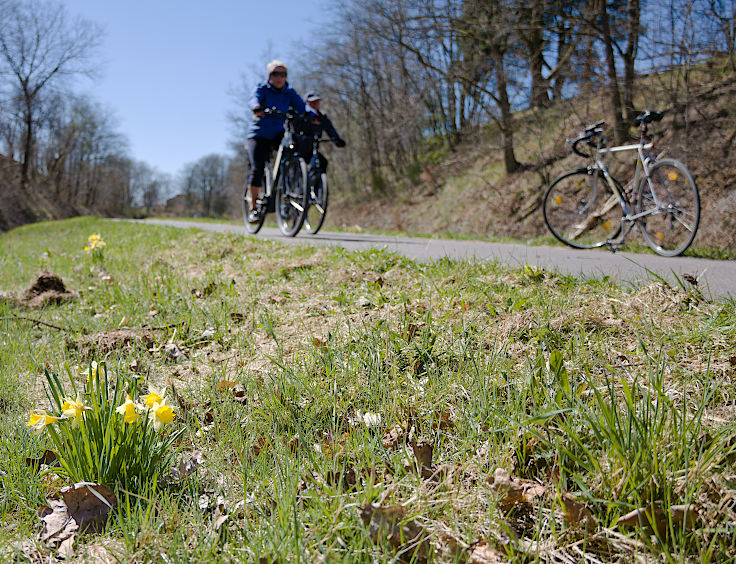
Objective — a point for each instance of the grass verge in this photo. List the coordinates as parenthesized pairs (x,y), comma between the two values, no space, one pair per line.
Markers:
(362,406)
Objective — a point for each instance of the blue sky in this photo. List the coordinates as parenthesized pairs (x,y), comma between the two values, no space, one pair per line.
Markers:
(168,66)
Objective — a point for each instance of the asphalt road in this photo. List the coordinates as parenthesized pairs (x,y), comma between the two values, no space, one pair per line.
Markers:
(717,279)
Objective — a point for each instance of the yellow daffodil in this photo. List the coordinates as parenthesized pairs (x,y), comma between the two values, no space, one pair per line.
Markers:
(91,372)
(74,409)
(94,242)
(161,414)
(129,410)
(38,421)
(154,396)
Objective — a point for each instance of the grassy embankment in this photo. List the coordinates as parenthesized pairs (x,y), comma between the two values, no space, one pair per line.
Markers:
(389,408)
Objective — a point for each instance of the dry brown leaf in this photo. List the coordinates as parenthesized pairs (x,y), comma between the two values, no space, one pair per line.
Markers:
(319,343)
(395,436)
(187,465)
(423,453)
(389,524)
(444,422)
(82,507)
(346,479)
(484,553)
(237,317)
(48,458)
(226,385)
(577,514)
(514,492)
(653,517)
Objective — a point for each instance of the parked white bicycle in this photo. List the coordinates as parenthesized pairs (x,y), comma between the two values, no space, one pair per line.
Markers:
(587,207)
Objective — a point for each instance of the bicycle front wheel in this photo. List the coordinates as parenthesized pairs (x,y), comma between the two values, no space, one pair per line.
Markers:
(581,209)
(670,206)
(291,196)
(318,199)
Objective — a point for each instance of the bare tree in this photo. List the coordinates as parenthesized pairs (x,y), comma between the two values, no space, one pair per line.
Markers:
(208,177)
(39,46)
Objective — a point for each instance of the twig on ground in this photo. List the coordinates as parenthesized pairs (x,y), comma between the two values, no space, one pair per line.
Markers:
(36,321)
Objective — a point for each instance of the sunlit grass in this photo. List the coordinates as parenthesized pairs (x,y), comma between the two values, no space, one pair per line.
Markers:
(619,398)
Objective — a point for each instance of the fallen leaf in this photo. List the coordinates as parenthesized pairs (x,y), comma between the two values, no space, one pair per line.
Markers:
(319,343)
(423,453)
(346,479)
(444,422)
(48,458)
(484,553)
(187,465)
(372,419)
(514,492)
(653,517)
(226,385)
(82,507)
(390,524)
(577,514)
(395,436)
(237,317)
(173,351)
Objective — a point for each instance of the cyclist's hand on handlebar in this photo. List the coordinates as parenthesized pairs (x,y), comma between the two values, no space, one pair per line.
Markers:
(258,111)
(340,142)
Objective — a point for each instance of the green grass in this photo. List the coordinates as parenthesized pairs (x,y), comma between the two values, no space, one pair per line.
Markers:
(617,397)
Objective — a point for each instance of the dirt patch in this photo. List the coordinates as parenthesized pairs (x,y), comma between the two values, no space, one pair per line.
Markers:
(46,289)
(101,343)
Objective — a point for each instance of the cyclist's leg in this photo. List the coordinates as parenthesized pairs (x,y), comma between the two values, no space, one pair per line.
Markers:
(259,150)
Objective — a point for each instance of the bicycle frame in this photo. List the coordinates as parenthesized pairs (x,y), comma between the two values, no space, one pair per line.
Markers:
(642,166)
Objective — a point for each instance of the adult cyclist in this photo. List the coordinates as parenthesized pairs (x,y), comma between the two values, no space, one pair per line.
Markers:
(312,124)
(265,131)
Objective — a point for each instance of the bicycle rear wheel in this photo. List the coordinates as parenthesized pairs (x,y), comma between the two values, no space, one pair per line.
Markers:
(318,199)
(291,196)
(670,201)
(581,209)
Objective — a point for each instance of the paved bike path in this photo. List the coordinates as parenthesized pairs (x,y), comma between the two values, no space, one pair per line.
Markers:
(716,278)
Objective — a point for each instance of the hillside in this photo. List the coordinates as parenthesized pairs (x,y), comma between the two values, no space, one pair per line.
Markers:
(468,192)
(19,206)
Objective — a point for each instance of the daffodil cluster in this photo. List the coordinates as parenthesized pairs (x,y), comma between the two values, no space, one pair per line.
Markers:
(95,246)
(154,404)
(102,434)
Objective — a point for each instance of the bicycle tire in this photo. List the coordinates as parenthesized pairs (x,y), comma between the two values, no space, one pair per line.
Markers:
(317,210)
(670,226)
(581,210)
(291,196)
(255,226)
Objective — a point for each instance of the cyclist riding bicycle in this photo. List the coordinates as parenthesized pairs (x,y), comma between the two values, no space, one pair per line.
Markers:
(311,125)
(265,131)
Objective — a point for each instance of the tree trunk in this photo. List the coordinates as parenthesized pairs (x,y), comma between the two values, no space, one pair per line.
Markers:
(509,158)
(613,91)
(633,11)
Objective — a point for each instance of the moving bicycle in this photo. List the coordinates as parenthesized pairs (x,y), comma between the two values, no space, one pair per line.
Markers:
(286,192)
(271,102)
(587,207)
(310,127)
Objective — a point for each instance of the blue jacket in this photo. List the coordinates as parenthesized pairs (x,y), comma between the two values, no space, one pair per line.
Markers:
(266,96)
